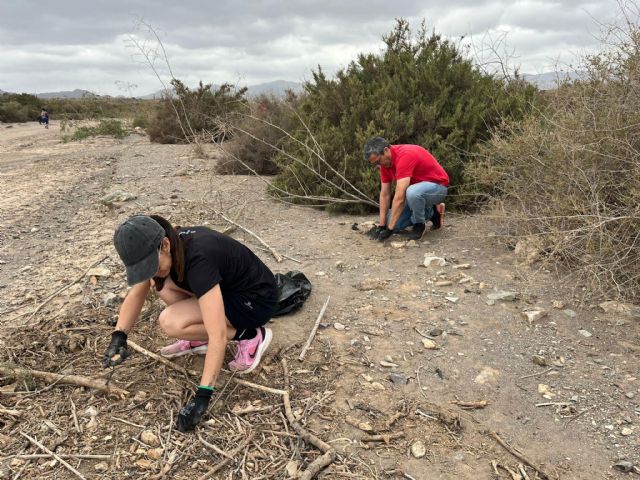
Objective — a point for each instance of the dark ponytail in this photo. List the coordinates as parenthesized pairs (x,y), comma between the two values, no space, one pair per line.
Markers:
(177,251)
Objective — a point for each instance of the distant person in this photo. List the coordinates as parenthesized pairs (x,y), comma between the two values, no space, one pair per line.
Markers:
(216,291)
(421,187)
(44,118)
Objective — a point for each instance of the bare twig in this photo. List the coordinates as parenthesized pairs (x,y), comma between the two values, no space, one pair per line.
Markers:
(211,446)
(471,405)
(8,411)
(538,374)
(313,330)
(386,437)
(275,254)
(519,456)
(230,456)
(64,379)
(161,359)
(54,455)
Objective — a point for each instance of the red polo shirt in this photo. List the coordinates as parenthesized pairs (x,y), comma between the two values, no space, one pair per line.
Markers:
(415,162)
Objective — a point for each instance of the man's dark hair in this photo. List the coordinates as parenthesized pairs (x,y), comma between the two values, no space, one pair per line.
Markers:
(375,145)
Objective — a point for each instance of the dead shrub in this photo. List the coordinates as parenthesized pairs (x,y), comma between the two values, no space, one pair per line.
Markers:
(569,174)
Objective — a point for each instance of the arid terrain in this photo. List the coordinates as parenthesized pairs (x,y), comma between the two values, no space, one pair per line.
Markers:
(402,351)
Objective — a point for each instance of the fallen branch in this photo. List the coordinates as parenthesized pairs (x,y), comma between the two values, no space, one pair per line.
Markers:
(275,254)
(231,228)
(62,455)
(211,446)
(386,437)
(8,411)
(313,330)
(329,452)
(54,455)
(519,456)
(161,359)
(471,405)
(60,290)
(230,456)
(262,388)
(64,379)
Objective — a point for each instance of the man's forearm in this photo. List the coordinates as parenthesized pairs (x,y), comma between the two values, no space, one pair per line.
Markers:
(384,208)
(396,210)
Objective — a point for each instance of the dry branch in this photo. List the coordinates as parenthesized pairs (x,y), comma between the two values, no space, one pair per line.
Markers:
(229,457)
(386,437)
(161,359)
(471,405)
(519,456)
(57,457)
(8,411)
(275,254)
(64,379)
(313,330)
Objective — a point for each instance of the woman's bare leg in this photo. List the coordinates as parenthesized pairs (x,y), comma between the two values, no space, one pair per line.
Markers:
(182,318)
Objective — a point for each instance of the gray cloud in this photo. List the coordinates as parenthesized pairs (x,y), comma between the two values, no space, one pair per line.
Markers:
(77,44)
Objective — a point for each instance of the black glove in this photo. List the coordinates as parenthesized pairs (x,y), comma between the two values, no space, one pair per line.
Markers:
(191,414)
(375,231)
(384,234)
(117,351)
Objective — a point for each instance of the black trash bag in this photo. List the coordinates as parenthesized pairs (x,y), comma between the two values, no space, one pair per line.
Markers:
(293,290)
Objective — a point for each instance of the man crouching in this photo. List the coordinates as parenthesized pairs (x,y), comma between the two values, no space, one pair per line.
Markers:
(421,187)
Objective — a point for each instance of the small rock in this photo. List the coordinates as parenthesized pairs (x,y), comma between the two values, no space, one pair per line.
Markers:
(292,468)
(418,449)
(155,453)
(370,284)
(144,463)
(181,172)
(430,260)
(91,412)
(117,196)
(436,332)
(443,283)
(412,243)
(398,244)
(491,302)
(452,299)
(150,438)
(398,379)
(558,304)
(464,280)
(463,266)
(585,333)
(545,391)
(630,395)
(101,467)
(622,308)
(140,396)
(110,299)
(534,315)
(384,363)
(503,296)
(367,377)
(429,344)
(539,360)
(377,386)
(487,375)
(623,466)
(340,265)
(339,326)
(98,272)
(569,313)
(626,431)
(320,274)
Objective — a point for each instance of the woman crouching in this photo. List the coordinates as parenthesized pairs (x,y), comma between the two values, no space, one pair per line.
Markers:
(215,288)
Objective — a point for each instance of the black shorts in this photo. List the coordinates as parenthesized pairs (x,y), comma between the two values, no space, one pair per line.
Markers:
(246,312)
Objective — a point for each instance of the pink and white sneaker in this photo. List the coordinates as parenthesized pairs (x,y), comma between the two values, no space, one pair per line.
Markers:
(183,347)
(249,352)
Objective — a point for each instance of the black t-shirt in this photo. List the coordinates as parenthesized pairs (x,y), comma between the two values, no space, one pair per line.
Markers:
(212,258)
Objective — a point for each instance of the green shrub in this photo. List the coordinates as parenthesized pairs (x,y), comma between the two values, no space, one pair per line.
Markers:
(259,130)
(111,128)
(419,90)
(195,115)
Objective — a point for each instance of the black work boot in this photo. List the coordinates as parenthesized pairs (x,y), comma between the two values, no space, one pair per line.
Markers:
(417,231)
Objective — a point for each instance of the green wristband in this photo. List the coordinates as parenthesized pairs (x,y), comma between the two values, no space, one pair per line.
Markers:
(213,389)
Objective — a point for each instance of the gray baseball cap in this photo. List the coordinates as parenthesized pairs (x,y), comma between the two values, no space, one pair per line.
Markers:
(137,241)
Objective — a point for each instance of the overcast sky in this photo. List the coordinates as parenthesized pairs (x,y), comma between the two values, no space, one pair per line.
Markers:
(67,44)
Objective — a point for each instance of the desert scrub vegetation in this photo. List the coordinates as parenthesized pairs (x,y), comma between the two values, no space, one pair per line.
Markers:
(567,176)
(111,127)
(188,115)
(421,89)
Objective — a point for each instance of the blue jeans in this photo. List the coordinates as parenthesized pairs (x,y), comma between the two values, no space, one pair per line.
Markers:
(418,205)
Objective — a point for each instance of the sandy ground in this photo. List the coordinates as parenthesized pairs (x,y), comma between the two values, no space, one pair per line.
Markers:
(562,389)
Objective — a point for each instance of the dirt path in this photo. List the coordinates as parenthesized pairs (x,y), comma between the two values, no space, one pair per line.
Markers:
(383,302)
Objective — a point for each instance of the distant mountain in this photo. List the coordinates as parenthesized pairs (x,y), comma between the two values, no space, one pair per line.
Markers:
(551,80)
(77,93)
(277,88)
